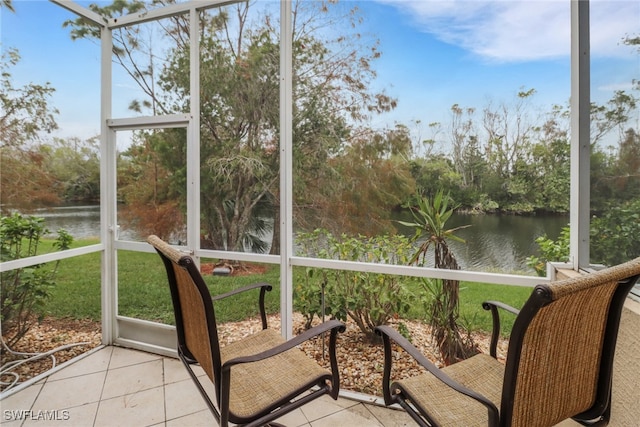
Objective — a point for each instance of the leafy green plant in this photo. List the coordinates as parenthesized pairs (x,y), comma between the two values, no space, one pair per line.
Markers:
(613,239)
(404,331)
(25,290)
(550,251)
(369,299)
(441,299)
(614,234)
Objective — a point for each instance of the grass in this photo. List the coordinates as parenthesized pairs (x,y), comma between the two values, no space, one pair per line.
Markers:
(143,292)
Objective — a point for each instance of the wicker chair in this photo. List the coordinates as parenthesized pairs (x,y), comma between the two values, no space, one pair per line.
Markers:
(256,379)
(559,361)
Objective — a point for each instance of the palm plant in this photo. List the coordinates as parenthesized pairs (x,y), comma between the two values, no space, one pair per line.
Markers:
(429,220)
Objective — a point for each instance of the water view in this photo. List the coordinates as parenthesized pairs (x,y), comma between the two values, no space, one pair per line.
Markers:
(493,242)
(82,221)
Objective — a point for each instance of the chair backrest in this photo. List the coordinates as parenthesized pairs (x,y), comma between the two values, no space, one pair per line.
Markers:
(193,309)
(560,357)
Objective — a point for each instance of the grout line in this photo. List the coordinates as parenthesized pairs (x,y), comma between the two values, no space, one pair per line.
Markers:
(164,389)
(104,382)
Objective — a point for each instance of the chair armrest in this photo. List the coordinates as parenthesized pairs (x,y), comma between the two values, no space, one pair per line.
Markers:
(389,334)
(264,287)
(334,326)
(495,315)
(487,305)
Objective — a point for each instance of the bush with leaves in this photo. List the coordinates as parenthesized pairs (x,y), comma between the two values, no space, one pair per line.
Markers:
(613,239)
(550,251)
(26,289)
(369,299)
(615,235)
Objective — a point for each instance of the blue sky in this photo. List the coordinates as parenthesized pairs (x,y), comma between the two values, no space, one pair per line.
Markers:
(434,54)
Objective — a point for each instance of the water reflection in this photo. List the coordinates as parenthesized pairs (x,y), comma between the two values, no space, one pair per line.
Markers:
(81,222)
(498,243)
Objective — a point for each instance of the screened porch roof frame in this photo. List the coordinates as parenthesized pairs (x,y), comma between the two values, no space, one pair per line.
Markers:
(580,143)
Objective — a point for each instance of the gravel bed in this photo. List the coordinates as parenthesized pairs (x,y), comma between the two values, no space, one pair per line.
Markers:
(360,362)
(49,335)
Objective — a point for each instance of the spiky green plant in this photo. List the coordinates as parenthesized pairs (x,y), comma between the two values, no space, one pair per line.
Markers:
(430,216)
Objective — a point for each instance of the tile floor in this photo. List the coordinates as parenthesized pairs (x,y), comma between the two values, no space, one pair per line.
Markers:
(114,386)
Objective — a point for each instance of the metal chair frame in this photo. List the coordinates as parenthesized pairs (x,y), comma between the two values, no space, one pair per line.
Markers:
(522,349)
(220,371)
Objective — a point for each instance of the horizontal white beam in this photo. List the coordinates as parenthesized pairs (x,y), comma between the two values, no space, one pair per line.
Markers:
(54,256)
(81,11)
(239,256)
(166,12)
(150,122)
(404,270)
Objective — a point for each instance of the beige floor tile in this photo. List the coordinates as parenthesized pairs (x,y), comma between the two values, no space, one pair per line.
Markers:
(79,416)
(122,357)
(132,379)
(22,399)
(570,423)
(140,409)
(96,362)
(183,398)
(199,419)
(391,417)
(294,419)
(324,406)
(70,392)
(357,415)
(174,371)
(11,420)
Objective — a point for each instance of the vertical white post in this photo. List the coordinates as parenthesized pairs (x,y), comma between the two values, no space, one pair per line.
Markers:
(193,135)
(580,134)
(108,200)
(286,166)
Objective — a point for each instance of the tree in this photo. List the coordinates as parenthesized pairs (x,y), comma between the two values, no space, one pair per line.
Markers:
(75,165)
(614,115)
(464,143)
(549,170)
(635,43)
(614,234)
(239,118)
(152,204)
(24,114)
(8,4)
(429,222)
(25,110)
(372,178)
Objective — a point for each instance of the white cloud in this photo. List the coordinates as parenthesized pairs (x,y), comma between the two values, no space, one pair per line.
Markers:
(518,30)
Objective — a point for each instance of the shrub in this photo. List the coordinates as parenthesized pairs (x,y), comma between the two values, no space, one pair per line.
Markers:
(369,299)
(25,290)
(614,234)
(550,251)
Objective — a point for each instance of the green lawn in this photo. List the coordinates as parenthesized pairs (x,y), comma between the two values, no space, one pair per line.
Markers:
(143,292)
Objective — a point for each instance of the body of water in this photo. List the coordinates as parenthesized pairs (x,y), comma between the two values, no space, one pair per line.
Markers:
(493,242)
(82,221)
(501,242)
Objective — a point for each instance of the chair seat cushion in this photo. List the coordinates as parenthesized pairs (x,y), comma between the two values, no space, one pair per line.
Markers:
(255,386)
(481,373)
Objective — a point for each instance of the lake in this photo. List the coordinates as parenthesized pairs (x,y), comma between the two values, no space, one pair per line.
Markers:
(493,242)
(500,242)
